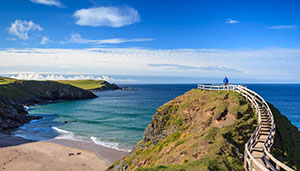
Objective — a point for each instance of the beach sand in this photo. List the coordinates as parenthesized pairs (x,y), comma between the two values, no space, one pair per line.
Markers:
(21,154)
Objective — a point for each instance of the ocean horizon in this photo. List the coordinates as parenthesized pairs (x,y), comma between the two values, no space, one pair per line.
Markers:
(117,119)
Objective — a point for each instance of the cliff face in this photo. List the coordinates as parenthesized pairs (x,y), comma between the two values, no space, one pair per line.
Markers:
(287,140)
(16,94)
(200,130)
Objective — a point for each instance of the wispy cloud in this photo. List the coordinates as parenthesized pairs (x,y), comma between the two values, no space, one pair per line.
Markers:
(44,40)
(21,28)
(76,38)
(231,21)
(188,67)
(107,16)
(56,3)
(283,27)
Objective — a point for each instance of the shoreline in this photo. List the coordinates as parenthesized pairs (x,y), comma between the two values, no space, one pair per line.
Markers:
(109,155)
(17,152)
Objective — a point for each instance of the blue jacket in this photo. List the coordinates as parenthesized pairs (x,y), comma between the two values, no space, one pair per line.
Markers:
(225,80)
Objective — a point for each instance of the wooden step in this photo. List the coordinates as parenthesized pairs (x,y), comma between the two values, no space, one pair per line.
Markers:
(264,133)
(265,129)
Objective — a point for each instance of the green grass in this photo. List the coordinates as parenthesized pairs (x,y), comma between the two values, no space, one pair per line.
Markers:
(206,163)
(13,91)
(84,84)
(5,80)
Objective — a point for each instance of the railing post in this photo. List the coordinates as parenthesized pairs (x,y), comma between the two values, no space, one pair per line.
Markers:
(245,158)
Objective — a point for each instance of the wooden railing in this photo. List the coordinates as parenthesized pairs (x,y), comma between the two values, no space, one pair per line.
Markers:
(258,104)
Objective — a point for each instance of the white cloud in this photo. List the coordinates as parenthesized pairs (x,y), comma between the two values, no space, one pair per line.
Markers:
(268,63)
(107,16)
(48,2)
(231,21)
(21,28)
(283,27)
(44,40)
(189,67)
(37,76)
(76,38)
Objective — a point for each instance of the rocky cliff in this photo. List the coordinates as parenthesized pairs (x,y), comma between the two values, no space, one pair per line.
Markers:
(17,93)
(202,130)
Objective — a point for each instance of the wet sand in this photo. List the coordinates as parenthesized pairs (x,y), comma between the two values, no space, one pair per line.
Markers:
(109,155)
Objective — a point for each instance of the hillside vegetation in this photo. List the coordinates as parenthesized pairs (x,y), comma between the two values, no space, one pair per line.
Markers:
(200,130)
(90,84)
(5,80)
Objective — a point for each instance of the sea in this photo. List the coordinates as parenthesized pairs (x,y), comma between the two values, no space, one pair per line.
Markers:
(117,119)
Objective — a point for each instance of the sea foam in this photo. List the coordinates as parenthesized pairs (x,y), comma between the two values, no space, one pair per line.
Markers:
(112,145)
(64,134)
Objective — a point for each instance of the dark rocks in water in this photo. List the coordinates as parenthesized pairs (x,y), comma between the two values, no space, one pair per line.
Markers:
(14,96)
(69,121)
(124,88)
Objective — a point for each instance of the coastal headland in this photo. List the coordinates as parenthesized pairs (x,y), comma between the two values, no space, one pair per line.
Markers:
(16,94)
(22,154)
(206,130)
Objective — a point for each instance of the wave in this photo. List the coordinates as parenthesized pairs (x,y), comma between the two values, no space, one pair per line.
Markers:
(112,145)
(26,107)
(61,130)
(64,134)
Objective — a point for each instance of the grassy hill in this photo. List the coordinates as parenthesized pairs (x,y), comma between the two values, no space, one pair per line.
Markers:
(85,84)
(5,80)
(200,130)
(205,130)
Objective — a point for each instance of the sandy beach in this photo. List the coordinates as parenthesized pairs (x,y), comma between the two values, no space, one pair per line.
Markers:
(21,154)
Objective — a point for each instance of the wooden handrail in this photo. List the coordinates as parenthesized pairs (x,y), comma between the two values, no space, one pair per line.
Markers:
(257,103)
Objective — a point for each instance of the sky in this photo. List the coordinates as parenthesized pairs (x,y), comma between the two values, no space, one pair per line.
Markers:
(157,41)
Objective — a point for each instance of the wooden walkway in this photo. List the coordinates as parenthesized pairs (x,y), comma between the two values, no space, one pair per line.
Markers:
(257,155)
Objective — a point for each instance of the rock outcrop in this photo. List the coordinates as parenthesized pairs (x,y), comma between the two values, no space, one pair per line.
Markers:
(107,86)
(13,97)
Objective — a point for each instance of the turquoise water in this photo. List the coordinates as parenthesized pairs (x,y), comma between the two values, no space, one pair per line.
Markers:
(117,119)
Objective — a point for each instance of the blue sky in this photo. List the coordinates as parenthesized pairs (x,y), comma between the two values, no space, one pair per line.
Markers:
(158,40)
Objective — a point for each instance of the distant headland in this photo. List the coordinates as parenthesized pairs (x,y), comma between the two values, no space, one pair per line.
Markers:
(15,94)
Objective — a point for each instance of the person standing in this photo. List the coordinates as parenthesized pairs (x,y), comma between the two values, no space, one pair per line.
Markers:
(225,81)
